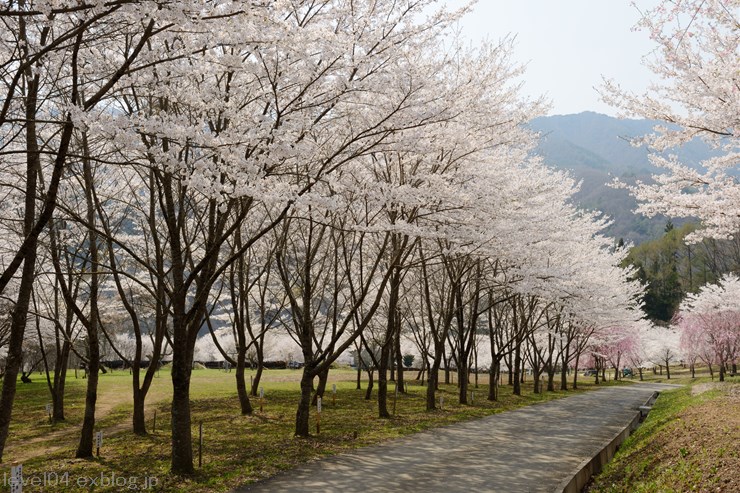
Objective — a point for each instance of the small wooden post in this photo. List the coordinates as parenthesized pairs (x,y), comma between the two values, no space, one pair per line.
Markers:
(318,416)
(98,441)
(48,411)
(262,396)
(395,399)
(472,397)
(441,402)
(16,478)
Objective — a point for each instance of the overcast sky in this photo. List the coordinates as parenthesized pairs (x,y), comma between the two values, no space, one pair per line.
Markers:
(567,45)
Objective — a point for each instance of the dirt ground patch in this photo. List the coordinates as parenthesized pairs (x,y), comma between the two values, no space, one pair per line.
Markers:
(706,445)
(732,389)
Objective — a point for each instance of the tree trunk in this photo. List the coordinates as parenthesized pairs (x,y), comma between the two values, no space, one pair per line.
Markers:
(462,368)
(383,381)
(462,376)
(57,396)
(523,372)
(241,382)
(475,356)
(433,380)
(85,447)
(59,380)
(141,389)
(517,367)
(536,377)
(575,371)
(323,378)
(369,391)
(563,377)
(14,356)
(304,406)
(399,356)
(551,380)
(509,366)
(19,316)
(257,378)
(493,380)
(139,419)
(446,361)
(564,358)
(182,439)
(421,374)
(391,345)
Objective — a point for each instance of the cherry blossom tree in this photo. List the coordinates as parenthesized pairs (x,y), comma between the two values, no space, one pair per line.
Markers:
(619,348)
(662,346)
(697,96)
(638,356)
(710,323)
(60,62)
(284,115)
(328,167)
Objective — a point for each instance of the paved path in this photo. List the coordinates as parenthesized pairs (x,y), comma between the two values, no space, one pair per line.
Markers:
(532,449)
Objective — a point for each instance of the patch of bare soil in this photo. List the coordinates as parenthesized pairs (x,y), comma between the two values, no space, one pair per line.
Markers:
(732,389)
(708,438)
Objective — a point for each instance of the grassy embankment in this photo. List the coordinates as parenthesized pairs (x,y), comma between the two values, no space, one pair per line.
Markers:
(690,441)
(237,449)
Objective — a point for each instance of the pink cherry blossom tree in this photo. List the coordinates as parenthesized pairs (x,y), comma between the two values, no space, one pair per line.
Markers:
(710,323)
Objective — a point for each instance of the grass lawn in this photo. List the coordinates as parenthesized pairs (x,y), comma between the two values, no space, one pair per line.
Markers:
(679,375)
(690,441)
(236,449)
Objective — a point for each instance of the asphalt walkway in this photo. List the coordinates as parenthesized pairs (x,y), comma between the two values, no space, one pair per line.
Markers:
(532,449)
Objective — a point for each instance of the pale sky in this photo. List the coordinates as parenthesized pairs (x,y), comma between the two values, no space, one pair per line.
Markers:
(567,45)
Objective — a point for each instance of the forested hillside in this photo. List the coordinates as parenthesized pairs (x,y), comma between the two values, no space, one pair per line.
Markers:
(671,267)
(596,149)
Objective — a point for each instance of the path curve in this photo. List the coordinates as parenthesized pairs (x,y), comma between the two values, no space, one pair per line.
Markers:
(532,449)
(68,437)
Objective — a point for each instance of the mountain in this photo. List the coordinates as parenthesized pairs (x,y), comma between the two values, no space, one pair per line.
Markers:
(595,148)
